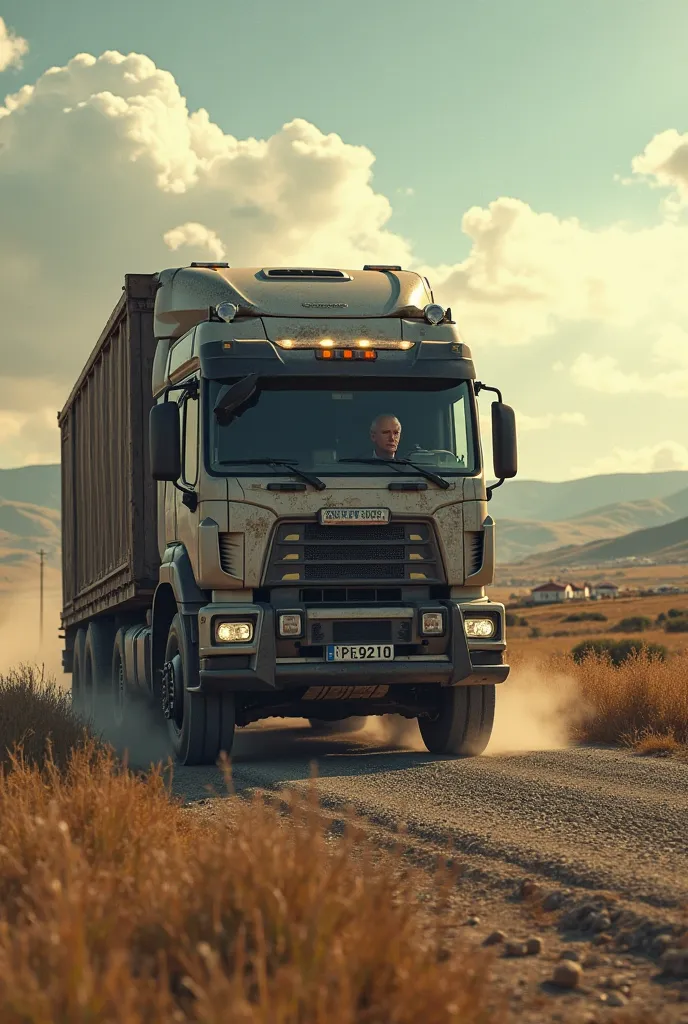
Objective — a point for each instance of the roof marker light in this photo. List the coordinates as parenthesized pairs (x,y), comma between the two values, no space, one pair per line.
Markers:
(226,311)
(363,343)
(327,343)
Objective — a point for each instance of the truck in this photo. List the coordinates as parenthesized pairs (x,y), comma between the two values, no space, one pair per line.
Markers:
(275,505)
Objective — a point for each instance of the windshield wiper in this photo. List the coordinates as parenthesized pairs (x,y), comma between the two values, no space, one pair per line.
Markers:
(310,478)
(428,474)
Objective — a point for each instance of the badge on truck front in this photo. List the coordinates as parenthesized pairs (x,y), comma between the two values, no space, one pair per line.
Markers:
(366,516)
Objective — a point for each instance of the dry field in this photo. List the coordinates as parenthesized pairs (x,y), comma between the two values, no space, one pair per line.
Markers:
(549,620)
(117,906)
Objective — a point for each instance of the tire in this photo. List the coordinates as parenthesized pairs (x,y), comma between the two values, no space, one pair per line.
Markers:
(127,704)
(98,671)
(343,725)
(204,724)
(78,672)
(463,725)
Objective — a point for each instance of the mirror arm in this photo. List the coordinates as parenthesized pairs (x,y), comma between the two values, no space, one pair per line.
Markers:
(479,386)
(489,490)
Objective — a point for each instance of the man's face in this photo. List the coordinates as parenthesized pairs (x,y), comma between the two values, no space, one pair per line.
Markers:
(385,436)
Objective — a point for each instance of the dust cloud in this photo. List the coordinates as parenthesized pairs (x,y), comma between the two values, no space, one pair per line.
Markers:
(535,710)
(394,731)
(19,631)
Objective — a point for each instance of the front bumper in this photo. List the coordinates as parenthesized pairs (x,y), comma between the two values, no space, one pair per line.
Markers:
(256,667)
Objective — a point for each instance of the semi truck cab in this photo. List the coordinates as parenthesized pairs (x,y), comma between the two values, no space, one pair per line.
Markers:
(322,515)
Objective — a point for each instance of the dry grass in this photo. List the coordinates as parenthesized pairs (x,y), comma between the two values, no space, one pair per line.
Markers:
(642,703)
(38,715)
(118,905)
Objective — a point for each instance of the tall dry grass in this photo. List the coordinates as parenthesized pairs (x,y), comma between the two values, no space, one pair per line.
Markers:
(118,905)
(641,699)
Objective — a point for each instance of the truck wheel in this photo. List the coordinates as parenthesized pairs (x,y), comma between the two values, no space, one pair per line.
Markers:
(78,672)
(126,705)
(200,726)
(343,725)
(97,671)
(463,724)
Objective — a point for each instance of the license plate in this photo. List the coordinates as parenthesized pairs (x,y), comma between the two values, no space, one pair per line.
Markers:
(366,516)
(360,652)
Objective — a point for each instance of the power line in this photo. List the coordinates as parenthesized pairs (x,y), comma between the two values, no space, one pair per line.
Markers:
(40,620)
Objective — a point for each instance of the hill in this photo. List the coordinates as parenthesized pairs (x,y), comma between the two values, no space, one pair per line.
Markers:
(520,538)
(666,543)
(35,485)
(544,501)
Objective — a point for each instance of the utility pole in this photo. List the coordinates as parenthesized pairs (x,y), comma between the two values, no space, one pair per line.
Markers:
(40,620)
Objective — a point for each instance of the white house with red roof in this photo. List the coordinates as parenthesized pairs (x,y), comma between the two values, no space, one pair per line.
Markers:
(551,593)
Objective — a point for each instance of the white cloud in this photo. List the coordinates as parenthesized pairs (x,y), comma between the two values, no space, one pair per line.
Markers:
(197,238)
(658,458)
(105,171)
(12,48)
(669,354)
(664,163)
(530,273)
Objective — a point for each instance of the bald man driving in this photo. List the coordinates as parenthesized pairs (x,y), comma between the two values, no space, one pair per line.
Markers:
(385,433)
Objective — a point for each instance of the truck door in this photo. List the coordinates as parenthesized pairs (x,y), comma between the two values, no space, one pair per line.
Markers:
(187,521)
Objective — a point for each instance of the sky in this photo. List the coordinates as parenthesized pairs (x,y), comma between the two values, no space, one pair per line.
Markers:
(530,157)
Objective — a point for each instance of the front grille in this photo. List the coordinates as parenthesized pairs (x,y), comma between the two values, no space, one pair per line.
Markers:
(353,595)
(354,632)
(311,552)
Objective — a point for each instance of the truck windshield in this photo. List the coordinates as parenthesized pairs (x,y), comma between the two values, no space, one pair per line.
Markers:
(317,424)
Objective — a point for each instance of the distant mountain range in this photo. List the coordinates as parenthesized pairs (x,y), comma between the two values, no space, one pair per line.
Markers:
(575,519)
(519,538)
(666,543)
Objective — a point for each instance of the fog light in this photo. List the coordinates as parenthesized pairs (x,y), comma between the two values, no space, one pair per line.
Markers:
(233,632)
(432,623)
(290,625)
(479,627)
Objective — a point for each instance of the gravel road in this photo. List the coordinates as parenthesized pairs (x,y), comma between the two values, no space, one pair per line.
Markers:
(585,817)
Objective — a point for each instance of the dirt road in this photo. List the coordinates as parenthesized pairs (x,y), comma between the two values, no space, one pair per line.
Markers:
(602,833)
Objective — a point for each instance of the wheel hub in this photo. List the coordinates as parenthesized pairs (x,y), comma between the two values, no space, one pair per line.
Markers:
(171,684)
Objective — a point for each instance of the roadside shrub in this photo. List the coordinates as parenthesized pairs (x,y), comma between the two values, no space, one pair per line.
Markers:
(561,632)
(535,632)
(617,651)
(677,613)
(585,617)
(38,716)
(661,618)
(515,620)
(676,625)
(633,624)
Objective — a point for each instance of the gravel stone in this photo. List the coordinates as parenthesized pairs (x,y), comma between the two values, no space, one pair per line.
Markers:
(566,974)
(553,901)
(473,921)
(533,946)
(516,949)
(570,954)
(494,938)
(674,963)
(613,999)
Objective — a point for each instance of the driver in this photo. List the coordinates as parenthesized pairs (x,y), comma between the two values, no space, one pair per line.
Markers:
(385,433)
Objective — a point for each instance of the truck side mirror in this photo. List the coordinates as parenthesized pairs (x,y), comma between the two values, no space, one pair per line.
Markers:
(504,454)
(164,439)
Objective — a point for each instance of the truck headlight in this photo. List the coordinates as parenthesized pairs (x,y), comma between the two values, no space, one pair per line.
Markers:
(290,624)
(482,628)
(233,632)
(432,623)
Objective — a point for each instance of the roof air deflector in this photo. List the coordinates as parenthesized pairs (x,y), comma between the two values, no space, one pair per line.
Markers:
(305,273)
